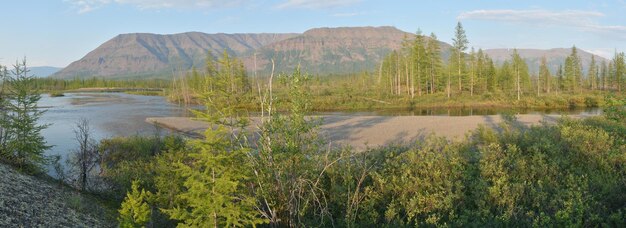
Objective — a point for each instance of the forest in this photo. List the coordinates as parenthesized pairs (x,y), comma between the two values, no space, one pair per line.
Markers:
(283,174)
(418,75)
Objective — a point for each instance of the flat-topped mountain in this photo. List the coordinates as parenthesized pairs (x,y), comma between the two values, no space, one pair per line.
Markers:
(320,50)
(143,54)
(335,50)
(317,51)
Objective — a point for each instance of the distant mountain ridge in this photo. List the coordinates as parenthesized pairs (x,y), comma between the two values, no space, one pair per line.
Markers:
(554,57)
(320,50)
(43,71)
(317,51)
(141,54)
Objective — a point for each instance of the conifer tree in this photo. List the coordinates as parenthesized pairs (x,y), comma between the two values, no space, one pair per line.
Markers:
(544,75)
(135,211)
(592,73)
(434,69)
(459,46)
(25,144)
(619,70)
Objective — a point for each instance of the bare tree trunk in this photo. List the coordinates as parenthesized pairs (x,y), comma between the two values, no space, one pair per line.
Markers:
(472,80)
(459,66)
(406,72)
(518,82)
(449,82)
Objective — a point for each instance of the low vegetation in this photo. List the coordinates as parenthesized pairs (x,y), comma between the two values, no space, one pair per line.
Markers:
(567,174)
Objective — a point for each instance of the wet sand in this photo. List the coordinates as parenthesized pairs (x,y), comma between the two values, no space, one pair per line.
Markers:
(361,132)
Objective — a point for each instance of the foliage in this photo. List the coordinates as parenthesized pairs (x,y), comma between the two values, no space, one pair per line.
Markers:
(134,211)
(22,143)
(133,158)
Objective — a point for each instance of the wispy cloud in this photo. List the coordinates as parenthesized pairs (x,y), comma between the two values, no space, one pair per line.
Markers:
(577,19)
(603,52)
(315,4)
(84,6)
(348,14)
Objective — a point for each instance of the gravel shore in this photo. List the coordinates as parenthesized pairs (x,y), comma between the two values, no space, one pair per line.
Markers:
(361,132)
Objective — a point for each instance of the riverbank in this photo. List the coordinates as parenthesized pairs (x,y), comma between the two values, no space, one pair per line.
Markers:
(29,201)
(361,132)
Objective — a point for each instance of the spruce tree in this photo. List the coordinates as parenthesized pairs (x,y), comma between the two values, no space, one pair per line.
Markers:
(25,144)
(434,57)
(544,75)
(459,44)
(135,211)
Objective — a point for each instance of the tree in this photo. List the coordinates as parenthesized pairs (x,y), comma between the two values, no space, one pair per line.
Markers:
(25,144)
(135,211)
(544,75)
(572,72)
(86,157)
(619,70)
(459,46)
(592,73)
(289,163)
(434,57)
(4,114)
(520,73)
(214,177)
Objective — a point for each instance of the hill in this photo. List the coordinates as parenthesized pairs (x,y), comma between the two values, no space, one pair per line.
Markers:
(554,57)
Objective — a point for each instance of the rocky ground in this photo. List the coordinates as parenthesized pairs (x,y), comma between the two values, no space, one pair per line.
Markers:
(28,201)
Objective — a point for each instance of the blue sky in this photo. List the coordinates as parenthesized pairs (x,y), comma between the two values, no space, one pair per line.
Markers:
(57,32)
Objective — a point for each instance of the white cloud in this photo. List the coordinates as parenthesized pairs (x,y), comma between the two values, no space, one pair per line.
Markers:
(84,6)
(350,14)
(315,4)
(607,53)
(577,19)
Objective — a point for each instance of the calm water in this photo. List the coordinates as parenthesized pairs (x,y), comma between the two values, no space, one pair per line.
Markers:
(109,114)
(119,114)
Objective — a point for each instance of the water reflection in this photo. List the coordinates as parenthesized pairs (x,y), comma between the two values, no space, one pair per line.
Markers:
(109,114)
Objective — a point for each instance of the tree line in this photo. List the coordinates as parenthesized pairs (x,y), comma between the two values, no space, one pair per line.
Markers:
(418,68)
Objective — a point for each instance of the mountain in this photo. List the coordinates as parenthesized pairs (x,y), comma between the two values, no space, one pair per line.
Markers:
(554,57)
(43,71)
(320,50)
(333,50)
(317,51)
(143,54)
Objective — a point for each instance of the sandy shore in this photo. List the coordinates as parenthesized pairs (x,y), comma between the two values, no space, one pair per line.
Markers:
(361,132)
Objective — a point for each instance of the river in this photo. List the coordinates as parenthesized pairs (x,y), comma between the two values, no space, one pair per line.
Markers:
(120,114)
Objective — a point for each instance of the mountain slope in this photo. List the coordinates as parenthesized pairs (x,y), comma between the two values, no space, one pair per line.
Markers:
(142,54)
(333,50)
(321,50)
(554,57)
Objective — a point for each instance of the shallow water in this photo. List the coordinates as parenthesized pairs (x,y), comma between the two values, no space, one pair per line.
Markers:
(120,114)
(109,114)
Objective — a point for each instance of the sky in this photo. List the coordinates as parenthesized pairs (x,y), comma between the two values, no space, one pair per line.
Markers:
(58,32)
